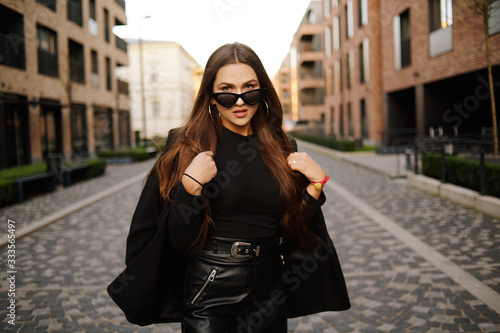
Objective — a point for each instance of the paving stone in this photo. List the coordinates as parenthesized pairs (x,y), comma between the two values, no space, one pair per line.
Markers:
(66,266)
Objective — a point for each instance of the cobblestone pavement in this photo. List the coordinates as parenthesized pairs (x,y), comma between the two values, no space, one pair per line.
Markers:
(63,269)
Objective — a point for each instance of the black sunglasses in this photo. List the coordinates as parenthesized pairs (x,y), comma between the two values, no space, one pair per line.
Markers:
(227,100)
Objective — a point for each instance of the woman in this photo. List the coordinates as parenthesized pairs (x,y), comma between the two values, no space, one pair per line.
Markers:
(228,235)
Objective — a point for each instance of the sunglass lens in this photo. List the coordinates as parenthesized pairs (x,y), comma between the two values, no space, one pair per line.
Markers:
(227,100)
(251,97)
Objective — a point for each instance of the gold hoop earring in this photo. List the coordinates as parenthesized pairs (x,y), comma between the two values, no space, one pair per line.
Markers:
(267,108)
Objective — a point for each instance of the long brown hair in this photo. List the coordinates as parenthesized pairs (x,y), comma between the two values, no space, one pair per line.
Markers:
(201,132)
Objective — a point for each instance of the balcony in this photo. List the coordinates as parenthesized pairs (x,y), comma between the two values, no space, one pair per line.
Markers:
(47,63)
(51,4)
(77,71)
(121,44)
(121,3)
(122,87)
(12,52)
(75,12)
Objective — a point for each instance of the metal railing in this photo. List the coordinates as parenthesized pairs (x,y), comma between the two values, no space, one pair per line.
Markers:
(121,44)
(473,146)
(47,63)
(12,51)
(75,12)
(122,87)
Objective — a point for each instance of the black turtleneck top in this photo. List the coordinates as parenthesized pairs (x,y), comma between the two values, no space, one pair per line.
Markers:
(244,197)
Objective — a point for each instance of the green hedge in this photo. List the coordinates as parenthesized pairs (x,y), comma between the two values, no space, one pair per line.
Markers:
(8,189)
(342,145)
(137,155)
(463,172)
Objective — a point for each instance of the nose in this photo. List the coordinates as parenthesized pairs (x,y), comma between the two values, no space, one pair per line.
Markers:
(239,101)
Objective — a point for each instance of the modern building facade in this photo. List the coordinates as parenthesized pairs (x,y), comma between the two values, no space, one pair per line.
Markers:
(394,69)
(434,67)
(353,102)
(58,91)
(300,81)
(166,95)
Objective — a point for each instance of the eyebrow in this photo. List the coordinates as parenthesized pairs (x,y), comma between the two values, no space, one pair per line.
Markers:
(232,85)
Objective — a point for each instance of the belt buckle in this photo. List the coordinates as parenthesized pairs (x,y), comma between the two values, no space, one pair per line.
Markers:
(235,250)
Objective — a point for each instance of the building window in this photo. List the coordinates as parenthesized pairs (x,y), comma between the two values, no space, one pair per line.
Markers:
(494,21)
(362,12)
(349,69)
(364,120)
(350,120)
(328,41)
(327,8)
(76,61)
(79,135)
(332,122)
(364,59)
(51,4)
(106,25)
(75,11)
(156,109)
(440,14)
(47,52)
(12,43)
(341,122)
(332,80)
(340,79)
(349,20)
(95,69)
(92,21)
(336,33)
(108,74)
(402,39)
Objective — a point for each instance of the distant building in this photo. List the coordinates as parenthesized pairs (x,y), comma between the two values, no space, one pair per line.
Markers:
(300,81)
(58,90)
(171,79)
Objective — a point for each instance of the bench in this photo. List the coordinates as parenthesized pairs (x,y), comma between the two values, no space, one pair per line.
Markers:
(28,185)
(119,160)
(74,173)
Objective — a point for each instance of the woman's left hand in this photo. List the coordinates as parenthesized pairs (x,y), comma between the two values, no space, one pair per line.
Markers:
(303,163)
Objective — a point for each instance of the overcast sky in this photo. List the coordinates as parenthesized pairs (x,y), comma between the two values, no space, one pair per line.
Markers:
(201,26)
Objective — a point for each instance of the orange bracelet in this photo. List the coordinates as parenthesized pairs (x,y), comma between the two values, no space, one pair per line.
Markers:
(319,185)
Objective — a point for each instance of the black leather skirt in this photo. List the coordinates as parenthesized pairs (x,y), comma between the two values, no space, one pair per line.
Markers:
(234,286)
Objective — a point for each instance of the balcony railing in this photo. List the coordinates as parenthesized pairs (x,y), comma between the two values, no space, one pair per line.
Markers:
(121,3)
(47,63)
(12,51)
(121,44)
(75,12)
(51,4)
(77,71)
(122,87)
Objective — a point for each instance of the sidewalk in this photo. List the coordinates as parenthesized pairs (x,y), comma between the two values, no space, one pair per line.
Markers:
(412,262)
(394,166)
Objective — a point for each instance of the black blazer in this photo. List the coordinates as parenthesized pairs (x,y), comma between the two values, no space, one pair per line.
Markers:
(150,289)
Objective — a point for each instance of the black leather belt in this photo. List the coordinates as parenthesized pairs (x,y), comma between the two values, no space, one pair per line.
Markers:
(241,249)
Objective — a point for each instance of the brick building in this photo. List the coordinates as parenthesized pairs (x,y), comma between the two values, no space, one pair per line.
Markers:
(393,69)
(58,92)
(434,67)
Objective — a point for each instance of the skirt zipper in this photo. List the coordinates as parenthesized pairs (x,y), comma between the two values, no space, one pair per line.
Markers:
(210,278)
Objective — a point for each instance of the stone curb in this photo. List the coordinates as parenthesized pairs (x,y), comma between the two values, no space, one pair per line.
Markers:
(468,198)
(471,199)
(46,220)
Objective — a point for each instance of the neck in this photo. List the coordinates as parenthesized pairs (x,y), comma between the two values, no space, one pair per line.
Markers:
(241,130)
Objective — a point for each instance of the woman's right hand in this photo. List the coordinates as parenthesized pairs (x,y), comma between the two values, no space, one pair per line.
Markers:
(203,169)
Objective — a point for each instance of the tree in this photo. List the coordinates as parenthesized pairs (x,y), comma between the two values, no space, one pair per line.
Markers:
(485,8)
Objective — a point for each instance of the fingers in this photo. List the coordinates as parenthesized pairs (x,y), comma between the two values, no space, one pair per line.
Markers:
(304,164)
